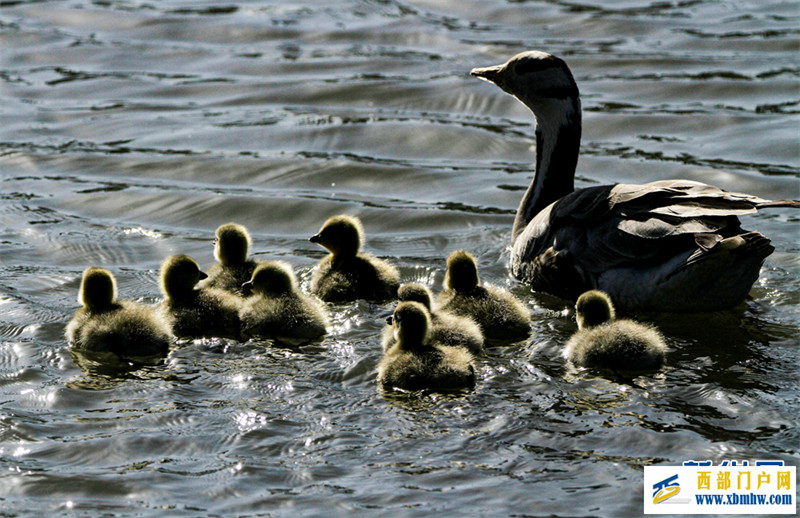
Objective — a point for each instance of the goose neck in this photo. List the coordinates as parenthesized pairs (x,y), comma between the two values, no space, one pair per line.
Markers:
(558,137)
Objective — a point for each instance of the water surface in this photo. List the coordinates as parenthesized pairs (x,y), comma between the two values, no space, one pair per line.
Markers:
(131,130)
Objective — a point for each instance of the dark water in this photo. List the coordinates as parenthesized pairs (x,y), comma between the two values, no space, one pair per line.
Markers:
(131,130)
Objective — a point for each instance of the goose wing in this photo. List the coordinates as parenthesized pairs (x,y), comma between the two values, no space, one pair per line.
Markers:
(573,241)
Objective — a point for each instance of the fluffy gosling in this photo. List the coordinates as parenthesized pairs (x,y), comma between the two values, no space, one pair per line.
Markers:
(446,328)
(196,313)
(603,341)
(231,249)
(278,309)
(348,274)
(103,324)
(500,314)
(415,362)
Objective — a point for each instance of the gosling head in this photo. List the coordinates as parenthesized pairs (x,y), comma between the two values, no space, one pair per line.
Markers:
(415,292)
(232,244)
(536,78)
(593,308)
(273,278)
(462,272)
(341,235)
(411,322)
(98,289)
(179,275)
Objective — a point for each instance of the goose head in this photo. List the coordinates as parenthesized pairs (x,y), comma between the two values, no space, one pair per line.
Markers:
(273,278)
(534,77)
(544,84)
(179,275)
(593,308)
(98,289)
(341,236)
(462,272)
(415,292)
(232,244)
(411,322)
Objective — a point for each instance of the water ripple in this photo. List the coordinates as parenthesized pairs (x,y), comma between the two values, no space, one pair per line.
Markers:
(132,130)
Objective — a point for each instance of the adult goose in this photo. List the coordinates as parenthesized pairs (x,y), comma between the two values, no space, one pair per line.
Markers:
(672,245)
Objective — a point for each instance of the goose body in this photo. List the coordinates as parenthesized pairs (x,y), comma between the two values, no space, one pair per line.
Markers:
(125,328)
(415,362)
(231,248)
(446,328)
(673,245)
(348,274)
(500,315)
(278,309)
(603,341)
(196,313)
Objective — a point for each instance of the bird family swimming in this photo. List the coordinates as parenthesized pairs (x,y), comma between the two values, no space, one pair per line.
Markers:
(446,328)
(348,274)
(673,245)
(415,362)
(500,315)
(278,309)
(231,248)
(603,341)
(196,313)
(125,328)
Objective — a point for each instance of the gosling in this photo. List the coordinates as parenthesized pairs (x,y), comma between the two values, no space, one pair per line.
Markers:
(446,328)
(103,324)
(349,274)
(415,362)
(196,313)
(603,341)
(231,249)
(278,309)
(500,314)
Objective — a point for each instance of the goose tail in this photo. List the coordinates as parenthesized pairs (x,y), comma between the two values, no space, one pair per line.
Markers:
(795,204)
(717,274)
(721,275)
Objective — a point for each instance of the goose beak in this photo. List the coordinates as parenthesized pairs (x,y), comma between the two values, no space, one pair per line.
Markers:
(315,238)
(247,287)
(203,275)
(491,74)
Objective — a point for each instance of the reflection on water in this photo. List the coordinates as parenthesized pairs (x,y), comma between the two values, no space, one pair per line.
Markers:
(132,130)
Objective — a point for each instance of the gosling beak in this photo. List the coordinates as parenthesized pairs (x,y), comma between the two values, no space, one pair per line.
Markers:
(491,74)
(247,287)
(389,320)
(203,275)
(315,239)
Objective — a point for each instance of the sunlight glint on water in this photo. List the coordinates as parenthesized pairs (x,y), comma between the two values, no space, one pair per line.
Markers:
(130,131)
